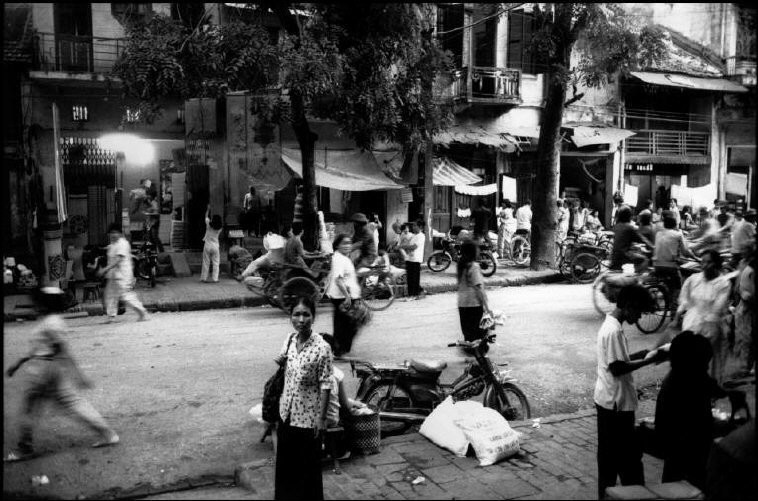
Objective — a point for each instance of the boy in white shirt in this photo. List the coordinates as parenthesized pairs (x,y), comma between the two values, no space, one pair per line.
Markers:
(415,250)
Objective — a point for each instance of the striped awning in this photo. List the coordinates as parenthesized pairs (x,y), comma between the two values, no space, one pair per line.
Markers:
(449,173)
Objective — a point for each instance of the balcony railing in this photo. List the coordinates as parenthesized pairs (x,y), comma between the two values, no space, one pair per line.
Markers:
(668,142)
(76,54)
(488,85)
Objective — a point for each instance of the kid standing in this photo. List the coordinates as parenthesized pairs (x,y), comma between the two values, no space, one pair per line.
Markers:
(211,251)
(53,375)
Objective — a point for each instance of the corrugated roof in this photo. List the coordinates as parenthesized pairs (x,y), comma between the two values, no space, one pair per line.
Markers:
(688,81)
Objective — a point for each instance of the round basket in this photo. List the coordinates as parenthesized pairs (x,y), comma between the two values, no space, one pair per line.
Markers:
(364,433)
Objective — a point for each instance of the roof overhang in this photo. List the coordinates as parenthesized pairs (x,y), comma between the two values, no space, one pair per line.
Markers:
(584,135)
(688,82)
(449,173)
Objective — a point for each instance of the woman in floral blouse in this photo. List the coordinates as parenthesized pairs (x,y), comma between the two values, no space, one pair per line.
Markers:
(302,408)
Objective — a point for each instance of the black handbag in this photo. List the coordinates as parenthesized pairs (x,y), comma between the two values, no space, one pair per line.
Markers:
(272,391)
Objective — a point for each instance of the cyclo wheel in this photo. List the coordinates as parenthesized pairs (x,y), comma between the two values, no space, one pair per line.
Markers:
(520,250)
(599,299)
(386,396)
(377,295)
(585,267)
(652,321)
(271,288)
(564,264)
(515,408)
(488,264)
(438,261)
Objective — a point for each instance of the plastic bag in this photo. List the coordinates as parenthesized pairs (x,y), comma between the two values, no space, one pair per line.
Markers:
(439,427)
(257,412)
(489,433)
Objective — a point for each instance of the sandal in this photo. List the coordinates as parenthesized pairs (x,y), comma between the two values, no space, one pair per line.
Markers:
(112,440)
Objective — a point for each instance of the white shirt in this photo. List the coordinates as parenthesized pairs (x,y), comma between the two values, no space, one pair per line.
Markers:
(524,218)
(704,301)
(612,346)
(416,255)
(343,267)
(124,270)
(211,235)
(333,410)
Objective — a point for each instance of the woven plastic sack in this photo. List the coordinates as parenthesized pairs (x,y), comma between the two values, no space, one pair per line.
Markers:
(440,428)
(489,433)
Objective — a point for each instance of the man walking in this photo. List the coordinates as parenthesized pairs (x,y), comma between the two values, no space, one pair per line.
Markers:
(618,452)
(120,276)
(415,254)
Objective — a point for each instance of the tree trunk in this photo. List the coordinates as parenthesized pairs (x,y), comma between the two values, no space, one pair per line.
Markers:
(547,176)
(306,139)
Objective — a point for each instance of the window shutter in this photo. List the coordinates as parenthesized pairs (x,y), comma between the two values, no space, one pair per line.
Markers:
(515,40)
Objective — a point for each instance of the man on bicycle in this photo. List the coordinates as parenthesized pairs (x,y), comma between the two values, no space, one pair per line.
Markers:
(624,235)
(524,219)
(669,248)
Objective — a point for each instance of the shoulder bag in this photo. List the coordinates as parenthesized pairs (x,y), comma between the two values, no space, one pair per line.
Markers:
(272,390)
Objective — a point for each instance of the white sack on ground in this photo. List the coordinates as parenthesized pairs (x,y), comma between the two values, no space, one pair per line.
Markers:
(488,431)
(440,429)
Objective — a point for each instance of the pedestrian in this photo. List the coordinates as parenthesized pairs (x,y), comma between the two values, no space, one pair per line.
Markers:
(618,202)
(584,214)
(562,222)
(669,248)
(52,375)
(119,273)
(250,212)
(702,307)
(211,252)
(152,223)
(506,225)
(273,244)
(481,216)
(744,317)
(524,220)
(683,416)
(624,235)
(414,256)
(302,408)
(472,298)
(619,453)
(743,237)
(674,208)
(363,251)
(342,288)
(374,226)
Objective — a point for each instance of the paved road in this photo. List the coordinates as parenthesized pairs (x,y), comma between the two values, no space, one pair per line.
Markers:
(178,388)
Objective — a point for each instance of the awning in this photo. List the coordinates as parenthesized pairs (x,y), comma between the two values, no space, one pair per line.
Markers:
(479,191)
(477,134)
(689,82)
(585,135)
(449,173)
(347,170)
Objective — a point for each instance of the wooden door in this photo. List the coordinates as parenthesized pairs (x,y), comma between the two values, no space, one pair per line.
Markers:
(198,197)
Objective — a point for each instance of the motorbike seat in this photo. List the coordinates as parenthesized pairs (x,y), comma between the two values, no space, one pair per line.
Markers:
(428,365)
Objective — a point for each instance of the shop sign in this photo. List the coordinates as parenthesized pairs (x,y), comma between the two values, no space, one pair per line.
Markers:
(640,167)
(406,195)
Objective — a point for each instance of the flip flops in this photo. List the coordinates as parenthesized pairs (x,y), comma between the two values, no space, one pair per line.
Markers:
(112,440)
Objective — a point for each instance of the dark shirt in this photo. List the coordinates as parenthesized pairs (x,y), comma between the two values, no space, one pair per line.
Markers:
(365,237)
(624,235)
(648,232)
(293,251)
(481,218)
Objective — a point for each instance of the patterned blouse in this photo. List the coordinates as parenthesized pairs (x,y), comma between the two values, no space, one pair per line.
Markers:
(307,373)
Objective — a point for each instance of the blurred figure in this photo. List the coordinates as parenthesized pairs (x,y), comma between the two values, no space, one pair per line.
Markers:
(363,251)
(506,225)
(119,273)
(481,216)
(743,238)
(744,316)
(562,221)
(646,225)
(374,226)
(52,375)
(524,220)
(472,298)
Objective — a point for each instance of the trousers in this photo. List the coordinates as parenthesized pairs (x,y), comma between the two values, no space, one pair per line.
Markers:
(414,278)
(298,464)
(49,381)
(211,255)
(619,454)
(119,289)
(344,329)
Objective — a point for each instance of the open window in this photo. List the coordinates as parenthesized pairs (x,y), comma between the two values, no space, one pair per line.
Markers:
(521,27)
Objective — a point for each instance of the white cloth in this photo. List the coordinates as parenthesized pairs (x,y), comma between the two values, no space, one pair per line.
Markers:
(120,290)
(211,235)
(563,223)
(343,267)
(273,241)
(524,218)
(333,410)
(211,255)
(124,270)
(703,300)
(507,220)
(416,255)
(613,391)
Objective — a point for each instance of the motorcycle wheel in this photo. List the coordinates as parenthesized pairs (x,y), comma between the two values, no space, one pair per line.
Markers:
(517,406)
(599,300)
(386,396)
(520,250)
(652,321)
(488,264)
(153,273)
(439,261)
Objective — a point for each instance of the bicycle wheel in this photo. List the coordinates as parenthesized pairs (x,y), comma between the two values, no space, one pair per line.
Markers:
(599,299)
(585,267)
(488,264)
(387,397)
(377,295)
(652,321)
(271,289)
(520,250)
(439,261)
(564,264)
(515,408)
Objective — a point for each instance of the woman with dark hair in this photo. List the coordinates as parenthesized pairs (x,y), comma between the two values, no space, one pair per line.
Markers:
(211,253)
(506,225)
(624,235)
(472,299)
(343,288)
(303,407)
(702,305)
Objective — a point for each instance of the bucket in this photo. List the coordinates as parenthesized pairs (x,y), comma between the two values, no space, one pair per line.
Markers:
(364,433)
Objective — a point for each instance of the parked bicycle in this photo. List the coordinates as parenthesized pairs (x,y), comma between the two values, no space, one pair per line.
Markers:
(517,249)
(440,260)
(377,288)
(406,394)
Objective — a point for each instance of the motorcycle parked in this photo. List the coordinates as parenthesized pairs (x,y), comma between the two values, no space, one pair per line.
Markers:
(145,263)
(407,394)
(440,260)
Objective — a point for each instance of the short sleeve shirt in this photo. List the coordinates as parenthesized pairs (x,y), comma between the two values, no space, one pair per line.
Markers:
(524,218)
(124,270)
(211,235)
(306,374)
(624,235)
(668,246)
(417,255)
(611,392)
(467,286)
(343,267)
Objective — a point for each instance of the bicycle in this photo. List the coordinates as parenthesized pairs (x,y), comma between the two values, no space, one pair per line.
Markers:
(377,289)
(440,260)
(605,290)
(518,249)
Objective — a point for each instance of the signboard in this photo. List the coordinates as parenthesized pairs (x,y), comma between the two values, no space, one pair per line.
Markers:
(509,188)
(630,195)
(406,195)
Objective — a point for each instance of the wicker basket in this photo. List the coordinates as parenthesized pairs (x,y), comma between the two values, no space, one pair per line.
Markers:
(364,433)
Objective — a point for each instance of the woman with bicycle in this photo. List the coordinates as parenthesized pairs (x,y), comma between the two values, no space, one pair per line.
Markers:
(472,298)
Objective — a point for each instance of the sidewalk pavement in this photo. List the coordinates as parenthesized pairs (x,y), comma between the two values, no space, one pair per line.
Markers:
(556,461)
(188,293)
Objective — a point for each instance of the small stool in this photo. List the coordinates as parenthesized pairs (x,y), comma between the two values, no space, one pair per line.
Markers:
(91,291)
